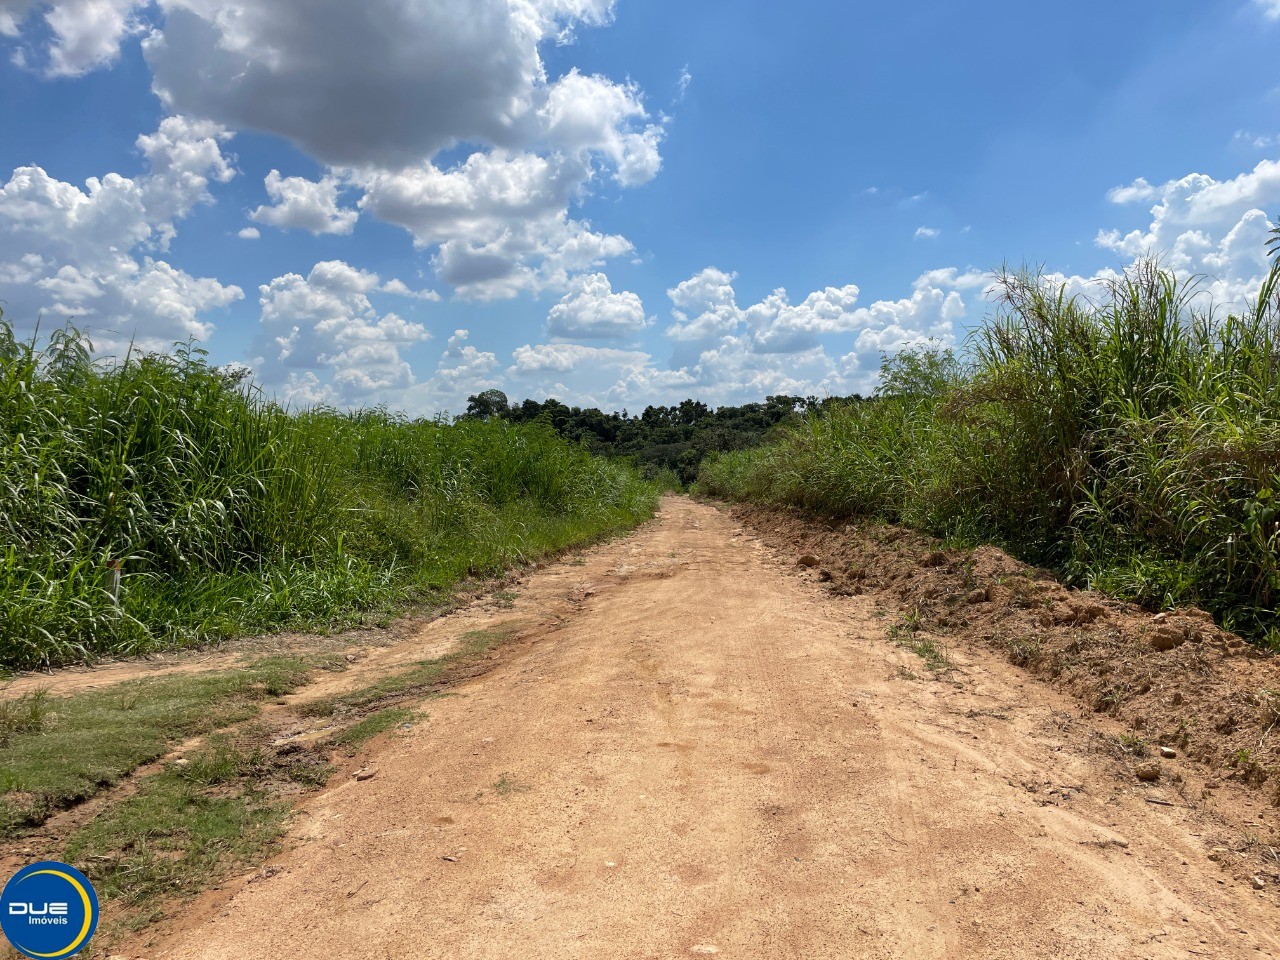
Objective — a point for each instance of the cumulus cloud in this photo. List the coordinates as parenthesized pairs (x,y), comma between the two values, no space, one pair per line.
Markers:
(87,253)
(250,233)
(79,36)
(591,310)
(501,220)
(384,83)
(376,91)
(401,289)
(1203,226)
(705,309)
(301,204)
(781,327)
(322,341)
(462,370)
(704,306)
(927,233)
(586,115)
(561,358)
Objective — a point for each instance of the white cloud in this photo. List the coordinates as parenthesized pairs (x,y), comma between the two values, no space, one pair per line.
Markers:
(1135,192)
(401,289)
(780,327)
(560,358)
(1270,8)
(592,311)
(383,82)
(376,91)
(682,85)
(927,233)
(1256,141)
(301,204)
(321,340)
(12,15)
(501,219)
(461,371)
(250,233)
(704,306)
(463,366)
(1203,226)
(84,253)
(82,35)
(593,115)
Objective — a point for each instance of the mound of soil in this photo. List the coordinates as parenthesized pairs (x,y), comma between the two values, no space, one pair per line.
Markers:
(1175,678)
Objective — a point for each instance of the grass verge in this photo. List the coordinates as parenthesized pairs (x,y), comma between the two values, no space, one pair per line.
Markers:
(62,750)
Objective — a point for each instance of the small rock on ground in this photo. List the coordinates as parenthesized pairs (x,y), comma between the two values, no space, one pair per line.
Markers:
(1148,772)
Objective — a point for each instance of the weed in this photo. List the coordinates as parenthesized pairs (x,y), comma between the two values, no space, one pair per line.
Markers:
(1132,744)
(1024,651)
(906,634)
(24,714)
(505,786)
(183,830)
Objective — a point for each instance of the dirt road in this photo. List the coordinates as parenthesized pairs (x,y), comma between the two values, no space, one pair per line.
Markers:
(705,754)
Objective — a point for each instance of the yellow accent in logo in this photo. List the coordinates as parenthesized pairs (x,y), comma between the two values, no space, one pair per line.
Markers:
(88,912)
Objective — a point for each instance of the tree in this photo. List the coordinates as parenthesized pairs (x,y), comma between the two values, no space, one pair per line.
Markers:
(487,405)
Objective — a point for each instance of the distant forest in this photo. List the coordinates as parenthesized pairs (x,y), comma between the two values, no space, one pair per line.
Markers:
(661,439)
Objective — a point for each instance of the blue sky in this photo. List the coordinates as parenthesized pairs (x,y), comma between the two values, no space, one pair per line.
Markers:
(406,201)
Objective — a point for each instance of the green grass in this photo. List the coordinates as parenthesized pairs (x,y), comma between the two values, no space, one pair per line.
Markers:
(91,740)
(373,725)
(227,515)
(413,682)
(1131,441)
(23,715)
(183,831)
(906,634)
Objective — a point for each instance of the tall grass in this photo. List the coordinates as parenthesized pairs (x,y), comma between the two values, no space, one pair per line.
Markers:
(1131,440)
(227,514)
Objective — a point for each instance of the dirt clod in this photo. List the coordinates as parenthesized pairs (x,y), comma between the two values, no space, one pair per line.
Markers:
(1147,772)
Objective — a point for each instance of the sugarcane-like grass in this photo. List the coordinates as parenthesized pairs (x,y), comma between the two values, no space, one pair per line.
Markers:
(226,514)
(1130,439)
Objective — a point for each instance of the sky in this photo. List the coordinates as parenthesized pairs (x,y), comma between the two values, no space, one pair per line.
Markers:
(615,203)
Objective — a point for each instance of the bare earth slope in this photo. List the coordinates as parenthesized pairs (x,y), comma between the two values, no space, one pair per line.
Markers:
(710,756)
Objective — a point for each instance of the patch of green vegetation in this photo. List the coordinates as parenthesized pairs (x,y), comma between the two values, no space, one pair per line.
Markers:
(906,634)
(1130,440)
(24,714)
(506,786)
(1132,744)
(158,501)
(373,725)
(417,681)
(93,739)
(183,831)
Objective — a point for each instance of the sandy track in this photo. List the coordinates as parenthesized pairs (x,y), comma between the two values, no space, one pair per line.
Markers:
(708,756)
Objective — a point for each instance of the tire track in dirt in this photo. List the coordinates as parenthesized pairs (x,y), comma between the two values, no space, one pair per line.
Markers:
(711,757)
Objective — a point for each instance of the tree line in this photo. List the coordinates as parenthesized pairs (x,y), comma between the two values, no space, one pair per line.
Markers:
(663,438)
